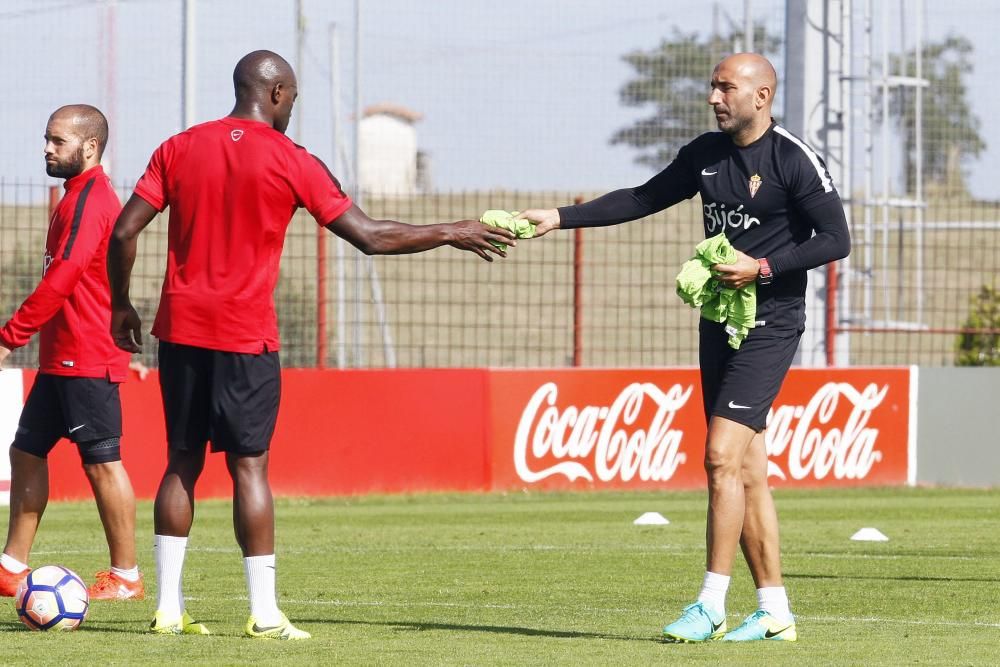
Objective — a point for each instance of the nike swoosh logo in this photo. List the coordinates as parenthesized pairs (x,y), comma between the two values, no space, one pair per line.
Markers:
(716,626)
(769,634)
(735,406)
(706,172)
(77,428)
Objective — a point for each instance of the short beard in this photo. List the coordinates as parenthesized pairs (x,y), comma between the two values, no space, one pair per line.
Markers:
(735,125)
(67,169)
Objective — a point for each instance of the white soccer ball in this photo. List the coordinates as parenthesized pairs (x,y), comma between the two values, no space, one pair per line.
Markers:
(52,598)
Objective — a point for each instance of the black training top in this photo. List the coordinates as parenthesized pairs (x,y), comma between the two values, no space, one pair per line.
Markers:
(768,197)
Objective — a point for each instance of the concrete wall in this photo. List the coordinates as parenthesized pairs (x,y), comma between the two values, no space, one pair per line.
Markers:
(958,432)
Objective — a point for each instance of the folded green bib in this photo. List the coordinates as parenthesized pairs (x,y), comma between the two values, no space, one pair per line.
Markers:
(523,229)
(698,287)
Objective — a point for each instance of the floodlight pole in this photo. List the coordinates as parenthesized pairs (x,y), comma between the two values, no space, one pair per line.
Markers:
(188,65)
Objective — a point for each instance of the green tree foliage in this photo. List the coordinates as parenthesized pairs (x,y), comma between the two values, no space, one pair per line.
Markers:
(950,130)
(673,79)
(981,347)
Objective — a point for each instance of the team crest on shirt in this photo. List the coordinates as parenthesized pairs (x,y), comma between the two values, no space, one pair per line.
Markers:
(236,135)
(755,182)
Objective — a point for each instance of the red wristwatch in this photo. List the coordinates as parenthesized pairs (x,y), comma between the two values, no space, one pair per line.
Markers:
(764,275)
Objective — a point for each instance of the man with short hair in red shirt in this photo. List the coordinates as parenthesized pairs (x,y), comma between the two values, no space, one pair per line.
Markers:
(75,394)
(232,186)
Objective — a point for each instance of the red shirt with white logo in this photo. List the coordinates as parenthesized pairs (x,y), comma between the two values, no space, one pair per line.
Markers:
(71,306)
(232,186)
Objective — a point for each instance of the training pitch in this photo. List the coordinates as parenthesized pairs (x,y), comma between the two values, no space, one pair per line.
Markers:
(531,578)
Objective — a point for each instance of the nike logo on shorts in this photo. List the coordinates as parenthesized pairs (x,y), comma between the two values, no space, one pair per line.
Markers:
(77,428)
(736,406)
(706,172)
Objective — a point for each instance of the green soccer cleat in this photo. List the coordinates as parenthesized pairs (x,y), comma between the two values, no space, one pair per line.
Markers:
(698,623)
(283,630)
(185,625)
(760,625)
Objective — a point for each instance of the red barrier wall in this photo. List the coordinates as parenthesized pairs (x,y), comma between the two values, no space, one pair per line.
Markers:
(392,431)
(338,432)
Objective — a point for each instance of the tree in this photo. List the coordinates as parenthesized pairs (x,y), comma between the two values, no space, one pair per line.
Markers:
(950,130)
(980,344)
(673,78)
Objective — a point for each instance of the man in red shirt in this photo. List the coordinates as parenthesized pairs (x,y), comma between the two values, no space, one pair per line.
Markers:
(232,186)
(75,394)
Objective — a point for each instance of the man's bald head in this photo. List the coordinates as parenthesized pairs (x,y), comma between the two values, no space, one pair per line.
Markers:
(258,71)
(86,122)
(743,87)
(752,68)
(265,88)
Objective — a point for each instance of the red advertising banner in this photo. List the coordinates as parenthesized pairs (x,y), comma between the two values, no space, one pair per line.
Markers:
(591,429)
(398,431)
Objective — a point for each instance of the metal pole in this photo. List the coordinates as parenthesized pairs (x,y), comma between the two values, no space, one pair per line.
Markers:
(886,181)
(337,162)
(869,167)
(359,259)
(919,139)
(300,65)
(831,314)
(321,297)
(747,26)
(53,199)
(841,295)
(110,80)
(578,293)
(188,66)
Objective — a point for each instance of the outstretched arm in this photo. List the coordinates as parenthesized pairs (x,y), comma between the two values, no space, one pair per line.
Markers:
(126,327)
(673,184)
(388,237)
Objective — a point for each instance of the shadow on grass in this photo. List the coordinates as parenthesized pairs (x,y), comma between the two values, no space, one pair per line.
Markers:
(109,626)
(421,626)
(988,580)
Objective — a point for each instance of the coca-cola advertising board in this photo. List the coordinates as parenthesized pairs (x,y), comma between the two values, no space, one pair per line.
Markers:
(579,429)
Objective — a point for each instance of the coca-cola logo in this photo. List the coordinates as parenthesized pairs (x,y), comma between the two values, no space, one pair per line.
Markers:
(602,441)
(803,435)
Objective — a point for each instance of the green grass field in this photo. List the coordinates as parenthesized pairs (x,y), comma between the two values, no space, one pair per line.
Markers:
(550,579)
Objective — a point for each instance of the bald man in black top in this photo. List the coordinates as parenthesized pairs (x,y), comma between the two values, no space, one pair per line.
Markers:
(773,198)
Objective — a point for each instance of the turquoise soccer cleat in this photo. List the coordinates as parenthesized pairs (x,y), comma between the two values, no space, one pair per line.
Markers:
(760,625)
(698,623)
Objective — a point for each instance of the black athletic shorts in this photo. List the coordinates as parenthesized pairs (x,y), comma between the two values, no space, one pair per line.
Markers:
(742,384)
(85,410)
(228,398)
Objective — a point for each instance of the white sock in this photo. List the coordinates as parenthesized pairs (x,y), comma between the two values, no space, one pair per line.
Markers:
(12,564)
(130,575)
(168,552)
(713,591)
(774,601)
(260,584)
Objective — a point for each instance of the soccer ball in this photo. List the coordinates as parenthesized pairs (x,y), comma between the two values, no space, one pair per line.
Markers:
(52,598)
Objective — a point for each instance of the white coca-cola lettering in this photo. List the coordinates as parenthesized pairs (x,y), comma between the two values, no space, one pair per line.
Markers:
(606,437)
(813,447)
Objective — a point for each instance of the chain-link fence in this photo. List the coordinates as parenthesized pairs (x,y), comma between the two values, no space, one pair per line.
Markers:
(460,107)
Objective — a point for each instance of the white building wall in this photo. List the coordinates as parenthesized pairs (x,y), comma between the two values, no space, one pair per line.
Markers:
(388,164)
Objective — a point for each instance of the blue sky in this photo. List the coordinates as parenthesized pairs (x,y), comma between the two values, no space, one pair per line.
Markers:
(516,95)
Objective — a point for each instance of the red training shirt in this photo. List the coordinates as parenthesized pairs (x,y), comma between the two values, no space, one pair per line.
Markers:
(71,306)
(232,186)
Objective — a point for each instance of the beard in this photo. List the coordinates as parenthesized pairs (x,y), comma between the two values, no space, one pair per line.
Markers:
(733,125)
(67,168)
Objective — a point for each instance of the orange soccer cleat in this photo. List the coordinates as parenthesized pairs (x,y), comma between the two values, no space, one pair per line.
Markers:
(109,586)
(9,581)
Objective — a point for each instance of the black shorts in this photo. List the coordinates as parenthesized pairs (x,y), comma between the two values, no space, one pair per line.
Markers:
(228,398)
(85,410)
(742,384)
